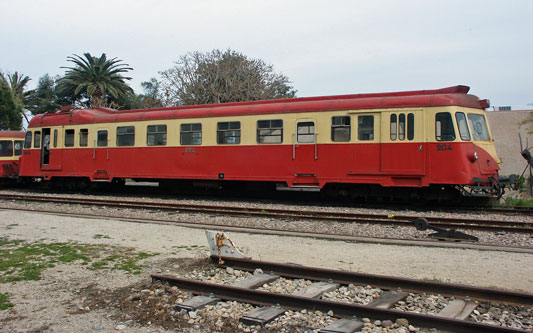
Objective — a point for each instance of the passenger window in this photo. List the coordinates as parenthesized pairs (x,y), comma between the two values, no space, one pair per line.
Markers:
(463,126)
(156,135)
(340,129)
(365,128)
(393,127)
(306,132)
(444,127)
(229,132)
(125,136)
(410,126)
(101,138)
(270,131)
(84,136)
(27,140)
(37,139)
(6,148)
(18,147)
(479,127)
(191,134)
(69,138)
(55,138)
(401,127)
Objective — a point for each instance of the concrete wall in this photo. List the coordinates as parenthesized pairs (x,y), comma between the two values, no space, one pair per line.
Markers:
(505,128)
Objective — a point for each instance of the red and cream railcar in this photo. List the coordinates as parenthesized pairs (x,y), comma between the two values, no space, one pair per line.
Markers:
(11,143)
(435,139)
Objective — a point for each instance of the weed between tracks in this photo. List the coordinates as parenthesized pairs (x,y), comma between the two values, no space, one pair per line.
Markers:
(25,261)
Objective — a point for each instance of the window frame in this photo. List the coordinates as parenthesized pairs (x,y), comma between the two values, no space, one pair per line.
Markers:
(125,139)
(269,129)
(17,152)
(437,129)
(189,133)
(27,144)
(69,136)
(341,127)
(99,138)
(9,144)
(410,126)
(394,125)
(83,134)
(361,135)
(224,135)
(37,142)
(301,137)
(162,135)
(468,137)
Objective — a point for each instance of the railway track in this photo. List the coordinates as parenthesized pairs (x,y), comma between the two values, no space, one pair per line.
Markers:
(453,317)
(398,220)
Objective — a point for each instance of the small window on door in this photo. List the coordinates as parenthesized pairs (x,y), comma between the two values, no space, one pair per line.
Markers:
(101,138)
(365,130)
(306,132)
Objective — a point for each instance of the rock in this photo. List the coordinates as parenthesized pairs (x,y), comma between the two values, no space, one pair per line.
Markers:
(229,270)
(120,327)
(402,322)
(258,271)
(330,313)
(193,315)
(366,320)
(412,328)
(378,323)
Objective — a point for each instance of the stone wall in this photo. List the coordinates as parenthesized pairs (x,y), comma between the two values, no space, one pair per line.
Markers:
(505,126)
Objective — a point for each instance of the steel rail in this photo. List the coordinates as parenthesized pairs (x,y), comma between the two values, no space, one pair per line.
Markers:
(454,223)
(341,309)
(385,282)
(293,233)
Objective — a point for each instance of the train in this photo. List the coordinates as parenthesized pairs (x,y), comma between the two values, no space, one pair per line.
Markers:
(407,145)
(11,143)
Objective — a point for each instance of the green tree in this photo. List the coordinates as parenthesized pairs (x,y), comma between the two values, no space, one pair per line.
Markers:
(17,83)
(97,78)
(10,110)
(44,98)
(221,77)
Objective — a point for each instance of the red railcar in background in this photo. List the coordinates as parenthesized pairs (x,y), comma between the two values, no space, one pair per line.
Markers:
(11,143)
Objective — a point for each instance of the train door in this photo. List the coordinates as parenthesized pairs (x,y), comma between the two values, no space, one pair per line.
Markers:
(50,152)
(403,146)
(101,154)
(305,153)
(366,154)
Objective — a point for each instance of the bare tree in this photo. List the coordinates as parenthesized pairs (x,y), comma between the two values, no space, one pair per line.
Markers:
(221,77)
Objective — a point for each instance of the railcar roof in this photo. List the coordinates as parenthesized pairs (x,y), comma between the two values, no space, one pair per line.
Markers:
(456,95)
(12,134)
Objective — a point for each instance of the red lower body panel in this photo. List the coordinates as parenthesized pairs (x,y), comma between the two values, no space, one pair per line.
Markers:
(395,164)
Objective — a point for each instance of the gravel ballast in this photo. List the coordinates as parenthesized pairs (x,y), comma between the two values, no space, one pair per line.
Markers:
(59,301)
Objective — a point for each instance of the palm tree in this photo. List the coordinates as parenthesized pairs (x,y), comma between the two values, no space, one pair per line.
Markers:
(99,78)
(17,83)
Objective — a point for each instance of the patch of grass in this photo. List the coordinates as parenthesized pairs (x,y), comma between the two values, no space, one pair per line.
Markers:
(21,261)
(4,302)
(100,236)
(10,226)
(519,202)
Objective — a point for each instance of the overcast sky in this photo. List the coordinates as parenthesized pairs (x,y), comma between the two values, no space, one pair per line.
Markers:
(324,47)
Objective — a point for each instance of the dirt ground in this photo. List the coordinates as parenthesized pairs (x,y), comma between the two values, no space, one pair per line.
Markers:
(70,297)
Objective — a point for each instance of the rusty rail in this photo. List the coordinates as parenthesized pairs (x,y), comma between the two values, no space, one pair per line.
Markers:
(339,309)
